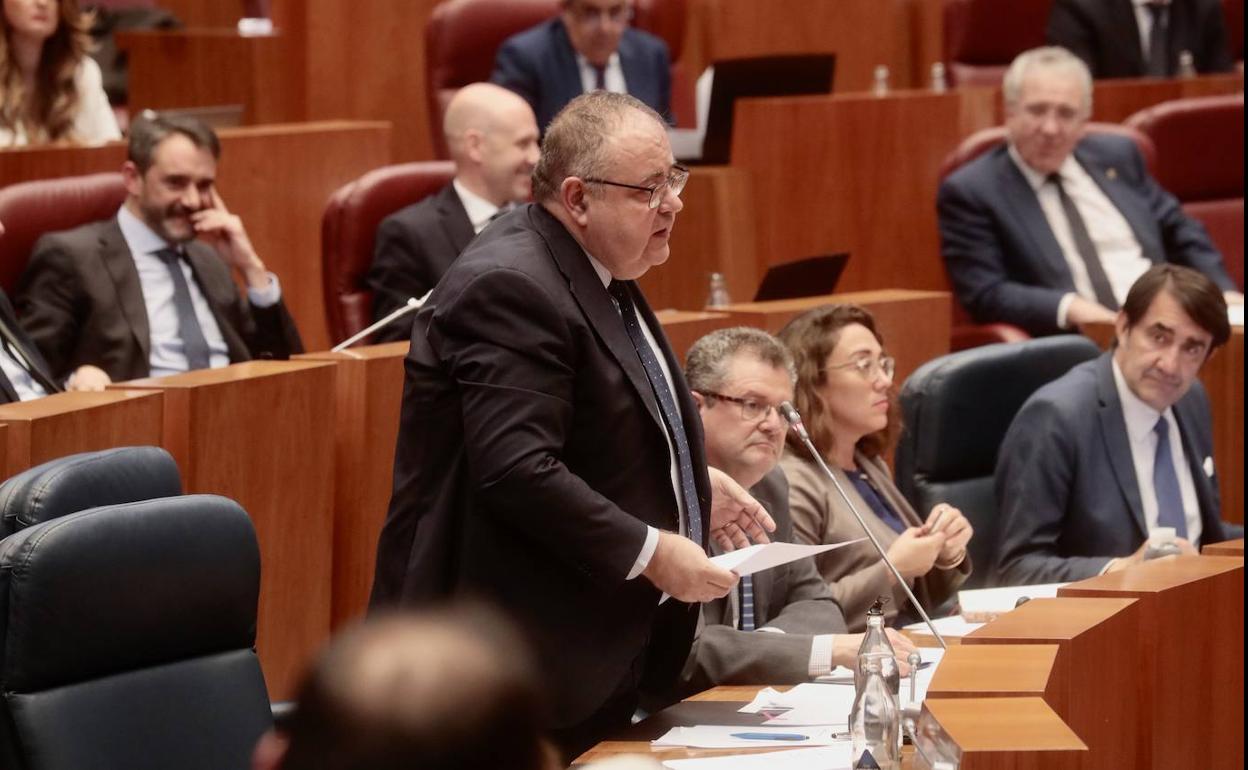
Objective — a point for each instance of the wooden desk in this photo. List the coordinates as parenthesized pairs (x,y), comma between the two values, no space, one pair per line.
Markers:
(265,177)
(1228,548)
(1223,378)
(914,324)
(1090,635)
(1191,647)
(66,423)
(996,670)
(368,388)
(262,434)
(685,327)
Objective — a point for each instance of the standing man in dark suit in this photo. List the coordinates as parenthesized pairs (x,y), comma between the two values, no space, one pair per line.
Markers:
(589,46)
(23,372)
(782,625)
(549,455)
(149,292)
(1050,230)
(1141,38)
(493,140)
(1119,445)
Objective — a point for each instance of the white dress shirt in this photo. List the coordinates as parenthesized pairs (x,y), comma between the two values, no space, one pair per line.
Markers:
(1140,419)
(613,76)
(820,662)
(167,355)
(19,376)
(1121,255)
(479,210)
(652,533)
(94,121)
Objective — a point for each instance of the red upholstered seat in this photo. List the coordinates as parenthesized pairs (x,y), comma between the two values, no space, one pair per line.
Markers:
(965,333)
(463,36)
(30,209)
(1200,159)
(982,37)
(349,231)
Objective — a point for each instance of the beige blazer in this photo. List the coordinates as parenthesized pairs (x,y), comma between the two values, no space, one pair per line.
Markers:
(856,574)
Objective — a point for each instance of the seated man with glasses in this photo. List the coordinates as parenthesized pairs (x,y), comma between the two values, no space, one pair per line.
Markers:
(782,625)
(588,47)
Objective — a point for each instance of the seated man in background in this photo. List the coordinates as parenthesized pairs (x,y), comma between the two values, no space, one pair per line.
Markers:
(446,689)
(588,47)
(782,625)
(1050,230)
(1119,445)
(149,292)
(23,372)
(1141,38)
(493,140)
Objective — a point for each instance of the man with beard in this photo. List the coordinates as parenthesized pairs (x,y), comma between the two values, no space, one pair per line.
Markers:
(149,292)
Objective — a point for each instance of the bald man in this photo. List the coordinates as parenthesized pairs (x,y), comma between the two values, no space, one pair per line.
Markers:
(492,136)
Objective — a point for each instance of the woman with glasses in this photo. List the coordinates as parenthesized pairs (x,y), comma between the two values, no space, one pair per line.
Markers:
(846,398)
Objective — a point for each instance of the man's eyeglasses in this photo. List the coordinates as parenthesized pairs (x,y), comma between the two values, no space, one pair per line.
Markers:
(751,409)
(588,14)
(868,367)
(675,182)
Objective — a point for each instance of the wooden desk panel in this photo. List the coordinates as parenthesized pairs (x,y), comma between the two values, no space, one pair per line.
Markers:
(262,434)
(1007,733)
(66,423)
(368,389)
(995,670)
(914,324)
(685,327)
(1096,674)
(1191,641)
(1228,548)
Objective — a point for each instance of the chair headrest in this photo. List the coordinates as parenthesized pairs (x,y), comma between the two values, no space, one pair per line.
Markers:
(124,587)
(956,408)
(87,480)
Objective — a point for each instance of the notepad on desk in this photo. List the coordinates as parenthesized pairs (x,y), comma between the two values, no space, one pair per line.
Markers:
(985,604)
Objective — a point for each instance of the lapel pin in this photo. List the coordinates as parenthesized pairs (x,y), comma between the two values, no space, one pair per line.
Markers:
(1209,467)
(1111,173)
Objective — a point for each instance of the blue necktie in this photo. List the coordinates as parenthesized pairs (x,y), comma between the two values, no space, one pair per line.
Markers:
(747,603)
(667,406)
(1166,483)
(193,343)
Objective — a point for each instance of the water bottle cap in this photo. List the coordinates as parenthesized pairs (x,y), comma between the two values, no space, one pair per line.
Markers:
(877,607)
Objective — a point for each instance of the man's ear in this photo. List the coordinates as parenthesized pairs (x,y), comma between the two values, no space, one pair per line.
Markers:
(1121,327)
(700,400)
(132,179)
(474,142)
(575,199)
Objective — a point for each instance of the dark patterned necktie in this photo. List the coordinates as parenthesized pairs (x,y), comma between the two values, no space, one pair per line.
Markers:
(1158,61)
(193,343)
(1085,247)
(1166,483)
(667,407)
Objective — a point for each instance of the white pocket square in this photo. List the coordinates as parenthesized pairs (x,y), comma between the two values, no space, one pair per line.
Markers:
(1209,467)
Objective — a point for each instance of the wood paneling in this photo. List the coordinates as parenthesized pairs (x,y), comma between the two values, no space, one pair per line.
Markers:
(685,327)
(995,670)
(1007,733)
(1227,548)
(262,433)
(206,13)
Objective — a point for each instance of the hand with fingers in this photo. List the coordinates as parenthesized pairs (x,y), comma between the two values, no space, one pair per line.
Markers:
(224,231)
(736,517)
(679,567)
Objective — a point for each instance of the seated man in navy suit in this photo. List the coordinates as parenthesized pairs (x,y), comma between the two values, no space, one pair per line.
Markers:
(1050,230)
(588,47)
(1119,445)
(493,140)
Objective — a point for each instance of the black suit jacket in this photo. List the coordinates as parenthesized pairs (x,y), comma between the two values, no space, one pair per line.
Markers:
(1104,33)
(27,349)
(1002,257)
(540,65)
(1066,488)
(532,456)
(81,302)
(415,246)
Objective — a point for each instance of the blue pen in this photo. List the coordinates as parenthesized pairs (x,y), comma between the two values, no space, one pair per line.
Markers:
(770,736)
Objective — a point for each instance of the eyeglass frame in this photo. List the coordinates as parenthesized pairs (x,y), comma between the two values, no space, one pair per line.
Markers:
(622,14)
(868,367)
(656,200)
(744,404)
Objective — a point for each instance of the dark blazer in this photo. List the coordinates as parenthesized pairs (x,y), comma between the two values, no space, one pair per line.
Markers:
(81,302)
(415,246)
(1003,259)
(531,457)
(540,65)
(1104,33)
(28,349)
(1066,489)
(791,597)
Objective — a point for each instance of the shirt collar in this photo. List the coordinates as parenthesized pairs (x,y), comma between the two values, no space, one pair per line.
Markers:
(604,274)
(478,209)
(1139,416)
(138,236)
(1034,178)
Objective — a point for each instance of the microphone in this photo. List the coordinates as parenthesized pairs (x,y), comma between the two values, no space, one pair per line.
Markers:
(795,422)
(411,306)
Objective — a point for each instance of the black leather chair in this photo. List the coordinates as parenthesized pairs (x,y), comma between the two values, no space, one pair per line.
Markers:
(955,410)
(126,639)
(77,482)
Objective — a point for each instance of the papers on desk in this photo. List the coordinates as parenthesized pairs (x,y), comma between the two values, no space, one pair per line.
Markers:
(837,757)
(952,627)
(756,558)
(928,657)
(739,737)
(985,604)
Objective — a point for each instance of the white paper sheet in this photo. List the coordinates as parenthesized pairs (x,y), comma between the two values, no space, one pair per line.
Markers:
(838,757)
(761,556)
(728,737)
(985,604)
(952,627)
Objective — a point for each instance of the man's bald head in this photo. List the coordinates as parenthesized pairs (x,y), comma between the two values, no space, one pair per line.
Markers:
(492,136)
